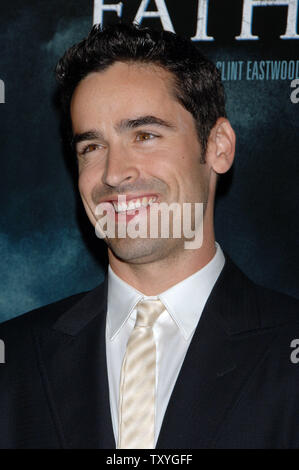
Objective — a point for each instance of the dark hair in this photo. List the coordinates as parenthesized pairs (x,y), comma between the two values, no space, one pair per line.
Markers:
(197,83)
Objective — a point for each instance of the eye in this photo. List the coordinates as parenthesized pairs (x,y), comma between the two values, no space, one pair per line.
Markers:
(144,136)
(89,148)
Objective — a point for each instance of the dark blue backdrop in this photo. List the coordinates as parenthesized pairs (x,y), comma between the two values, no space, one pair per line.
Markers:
(48,248)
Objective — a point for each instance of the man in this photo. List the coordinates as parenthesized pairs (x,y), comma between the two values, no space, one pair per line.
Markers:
(177,348)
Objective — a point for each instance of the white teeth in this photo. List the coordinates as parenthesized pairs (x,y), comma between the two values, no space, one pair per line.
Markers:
(122,207)
(131,206)
(144,202)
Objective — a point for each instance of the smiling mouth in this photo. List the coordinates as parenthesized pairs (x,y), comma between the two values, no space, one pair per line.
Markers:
(133,204)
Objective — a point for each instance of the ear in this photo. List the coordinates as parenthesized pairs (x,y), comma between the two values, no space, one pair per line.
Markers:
(221,146)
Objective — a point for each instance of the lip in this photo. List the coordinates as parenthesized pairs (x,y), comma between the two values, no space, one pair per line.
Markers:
(132,197)
(127,216)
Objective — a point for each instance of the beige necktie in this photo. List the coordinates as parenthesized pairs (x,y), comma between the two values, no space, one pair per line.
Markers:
(138,381)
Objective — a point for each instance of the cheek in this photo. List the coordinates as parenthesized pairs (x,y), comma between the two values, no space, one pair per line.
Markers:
(85,183)
(192,175)
(188,168)
(177,163)
(190,161)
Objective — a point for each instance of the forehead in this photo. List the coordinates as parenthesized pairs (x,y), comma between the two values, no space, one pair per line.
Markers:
(123,87)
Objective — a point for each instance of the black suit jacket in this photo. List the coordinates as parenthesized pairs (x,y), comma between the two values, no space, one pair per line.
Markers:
(237,388)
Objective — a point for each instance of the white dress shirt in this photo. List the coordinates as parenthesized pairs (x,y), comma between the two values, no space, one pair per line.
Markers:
(172,331)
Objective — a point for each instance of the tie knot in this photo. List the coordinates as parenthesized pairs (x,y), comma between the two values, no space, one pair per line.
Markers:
(148,311)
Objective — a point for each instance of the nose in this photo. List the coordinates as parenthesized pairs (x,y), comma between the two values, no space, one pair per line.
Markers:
(120,167)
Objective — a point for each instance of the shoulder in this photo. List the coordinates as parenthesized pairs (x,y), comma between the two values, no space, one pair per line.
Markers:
(279,315)
(275,307)
(42,316)
(247,306)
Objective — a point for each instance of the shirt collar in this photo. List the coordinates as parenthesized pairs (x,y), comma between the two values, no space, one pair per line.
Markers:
(184,301)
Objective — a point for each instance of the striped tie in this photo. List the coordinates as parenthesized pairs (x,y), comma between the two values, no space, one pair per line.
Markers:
(138,381)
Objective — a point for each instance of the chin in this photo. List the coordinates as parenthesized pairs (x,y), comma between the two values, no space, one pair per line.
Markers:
(139,251)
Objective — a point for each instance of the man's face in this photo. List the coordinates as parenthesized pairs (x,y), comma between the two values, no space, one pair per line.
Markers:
(138,141)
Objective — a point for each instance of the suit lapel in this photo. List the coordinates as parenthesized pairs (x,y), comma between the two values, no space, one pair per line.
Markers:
(72,359)
(217,366)
(222,355)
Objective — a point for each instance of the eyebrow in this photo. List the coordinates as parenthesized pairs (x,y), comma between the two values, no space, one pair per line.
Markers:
(123,125)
